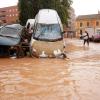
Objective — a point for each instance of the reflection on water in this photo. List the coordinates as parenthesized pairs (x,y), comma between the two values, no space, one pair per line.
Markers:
(77,78)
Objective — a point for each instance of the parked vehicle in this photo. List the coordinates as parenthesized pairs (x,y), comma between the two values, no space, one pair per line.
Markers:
(47,38)
(11,40)
(94,33)
(31,21)
(96,36)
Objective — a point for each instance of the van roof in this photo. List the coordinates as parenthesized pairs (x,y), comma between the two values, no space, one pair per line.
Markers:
(31,21)
(48,16)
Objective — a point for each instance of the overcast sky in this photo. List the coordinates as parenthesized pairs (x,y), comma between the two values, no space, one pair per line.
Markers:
(6,3)
(82,7)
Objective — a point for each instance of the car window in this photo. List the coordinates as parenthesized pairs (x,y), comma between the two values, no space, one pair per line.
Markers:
(8,31)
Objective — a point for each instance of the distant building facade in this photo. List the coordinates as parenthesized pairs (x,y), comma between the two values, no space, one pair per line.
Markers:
(87,21)
(9,15)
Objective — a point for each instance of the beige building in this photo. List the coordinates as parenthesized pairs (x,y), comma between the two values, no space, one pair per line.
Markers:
(87,21)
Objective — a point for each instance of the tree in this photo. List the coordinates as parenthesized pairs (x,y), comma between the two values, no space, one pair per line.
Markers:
(29,8)
(23,11)
(35,6)
(63,10)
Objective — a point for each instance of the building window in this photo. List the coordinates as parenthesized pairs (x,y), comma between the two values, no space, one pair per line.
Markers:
(2,16)
(97,23)
(81,24)
(80,32)
(3,11)
(87,23)
(4,21)
(10,15)
(10,10)
(16,14)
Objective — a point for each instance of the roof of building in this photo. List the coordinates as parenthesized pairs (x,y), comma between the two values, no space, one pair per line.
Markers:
(92,16)
(8,7)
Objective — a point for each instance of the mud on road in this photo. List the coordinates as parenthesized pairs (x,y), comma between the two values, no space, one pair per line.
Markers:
(76,78)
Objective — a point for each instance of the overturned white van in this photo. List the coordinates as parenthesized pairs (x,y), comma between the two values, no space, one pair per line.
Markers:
(47,38)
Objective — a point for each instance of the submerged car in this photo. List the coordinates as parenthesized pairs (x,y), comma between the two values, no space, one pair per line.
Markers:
(10,40)
(1,27)
(47,38)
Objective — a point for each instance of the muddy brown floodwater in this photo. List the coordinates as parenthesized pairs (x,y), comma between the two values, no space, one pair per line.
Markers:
(76,78)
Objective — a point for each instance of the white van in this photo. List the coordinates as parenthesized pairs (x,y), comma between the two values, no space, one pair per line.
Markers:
(47,38)
(31,21)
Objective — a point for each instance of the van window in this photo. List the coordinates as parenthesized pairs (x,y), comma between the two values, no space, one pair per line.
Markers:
(47,32)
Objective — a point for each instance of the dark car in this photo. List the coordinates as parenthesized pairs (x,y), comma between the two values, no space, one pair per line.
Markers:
(11,40)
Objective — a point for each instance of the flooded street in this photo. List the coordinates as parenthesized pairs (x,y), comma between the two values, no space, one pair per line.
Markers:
(76,78)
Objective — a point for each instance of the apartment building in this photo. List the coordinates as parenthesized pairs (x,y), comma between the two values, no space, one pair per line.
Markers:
(9,15)
(87,21)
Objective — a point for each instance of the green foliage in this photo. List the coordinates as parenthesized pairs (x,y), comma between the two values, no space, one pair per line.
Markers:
(29,8)
(63,10)
(22,11)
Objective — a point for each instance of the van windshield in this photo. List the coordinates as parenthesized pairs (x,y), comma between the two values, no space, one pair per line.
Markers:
(47,32)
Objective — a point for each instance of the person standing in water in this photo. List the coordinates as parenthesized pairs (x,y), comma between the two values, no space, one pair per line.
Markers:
(86,38)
